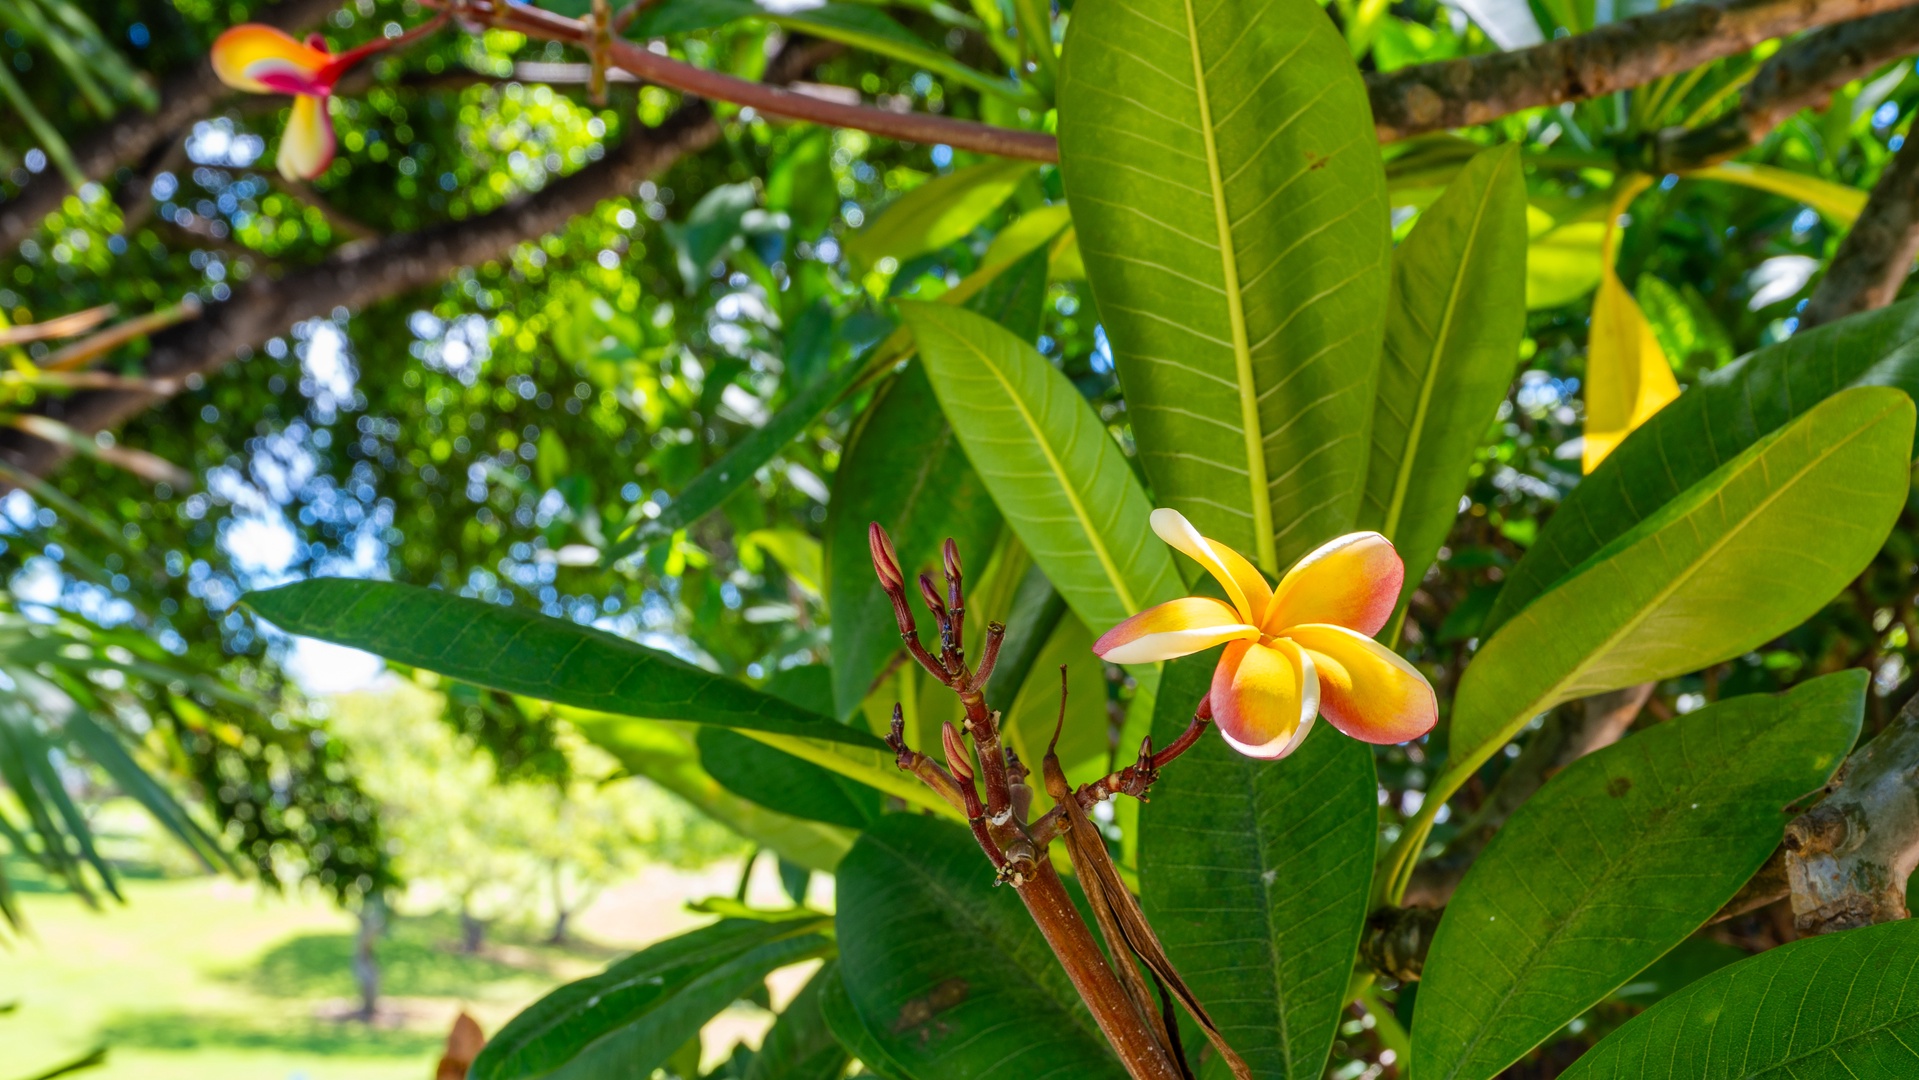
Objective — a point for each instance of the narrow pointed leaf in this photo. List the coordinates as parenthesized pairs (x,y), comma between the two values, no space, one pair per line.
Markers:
(627,1020)
(1255,875)
(1712,423)
(1841,1006)
(524,653)
(1231,211)
(1618,859)
(1701,580)
(1059,478)
(939,211)
(1452,340)
(948,973)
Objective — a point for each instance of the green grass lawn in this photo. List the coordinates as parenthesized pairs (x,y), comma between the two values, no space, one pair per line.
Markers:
(208,979)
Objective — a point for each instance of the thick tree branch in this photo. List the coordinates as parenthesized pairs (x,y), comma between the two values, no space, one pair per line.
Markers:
(1875,257)
(1802,75)
(1618,56)
(1847,859)
(185,97)
(366,273)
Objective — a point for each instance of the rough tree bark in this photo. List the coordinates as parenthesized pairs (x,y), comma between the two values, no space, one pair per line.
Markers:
(1802,75)
(1847,859)
(1875,257)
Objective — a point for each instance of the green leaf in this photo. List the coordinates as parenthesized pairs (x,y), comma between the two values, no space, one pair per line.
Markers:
(1704,578)
(863,26)
(800,1046)
(836,1008)
(1452,340)
(1231,208)
(1256,875)
(940,211)
(1841,1006)
(627,1020)
(1056,473)
(1838,203)
(948,973)
(1614,862)
(1564,264)
(1028,723)
(779,781)
(524,653)
(1720,417)
(904,468)
(668,755)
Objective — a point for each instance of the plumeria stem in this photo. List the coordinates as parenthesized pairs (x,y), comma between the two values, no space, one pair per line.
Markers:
(1136,779)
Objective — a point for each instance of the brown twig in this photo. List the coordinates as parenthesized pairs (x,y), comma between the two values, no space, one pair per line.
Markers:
(1617,56)
(1801,75)
(1876,255)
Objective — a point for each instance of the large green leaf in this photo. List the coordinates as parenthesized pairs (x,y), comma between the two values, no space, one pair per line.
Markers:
(780,781)
(1029,721)
(939,211)
(948,973)
(1743,556)
(800,1046)
(521,652)
(1056,473)
(1452,339)
(1723,414)
(1256,874)
(1842,1006)
(668,755)
(1617,860)
(1231,209)
(627,1020)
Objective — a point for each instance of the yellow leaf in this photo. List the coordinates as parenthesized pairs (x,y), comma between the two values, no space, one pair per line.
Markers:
(1627,375)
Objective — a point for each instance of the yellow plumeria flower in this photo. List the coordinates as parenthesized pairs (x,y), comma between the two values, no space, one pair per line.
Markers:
(263,60)
(1302,650)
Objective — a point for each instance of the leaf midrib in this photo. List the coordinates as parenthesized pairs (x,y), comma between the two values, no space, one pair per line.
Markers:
(1266,549)
(1416,429)
(1123,594)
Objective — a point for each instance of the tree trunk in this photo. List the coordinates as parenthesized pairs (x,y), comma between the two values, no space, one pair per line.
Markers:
(472,930)
(366,966)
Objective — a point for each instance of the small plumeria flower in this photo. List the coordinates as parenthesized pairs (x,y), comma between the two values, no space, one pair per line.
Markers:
(263,60)
(1302,650)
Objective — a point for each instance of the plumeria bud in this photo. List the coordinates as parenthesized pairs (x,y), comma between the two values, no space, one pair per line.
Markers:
(957,758)
(931,593)
(950,552)
(886,561)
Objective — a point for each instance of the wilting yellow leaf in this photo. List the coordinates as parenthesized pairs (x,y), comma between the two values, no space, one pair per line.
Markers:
(1627,375)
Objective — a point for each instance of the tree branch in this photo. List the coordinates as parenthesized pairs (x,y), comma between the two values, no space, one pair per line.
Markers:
(1802,75)
(185,97)
(1875,257)
(1618,56)
(366,273)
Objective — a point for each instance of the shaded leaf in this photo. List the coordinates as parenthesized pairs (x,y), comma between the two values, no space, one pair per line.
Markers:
(1614,862)
(940,211)
(949,974)
(627,1020)
(800,1046)
(1256,877)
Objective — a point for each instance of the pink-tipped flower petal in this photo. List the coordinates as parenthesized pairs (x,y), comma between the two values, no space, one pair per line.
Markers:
(1365,689)
(1264,697)
(1245,587)
(306,146)
(1352,581)
(263,60)
(1176,628)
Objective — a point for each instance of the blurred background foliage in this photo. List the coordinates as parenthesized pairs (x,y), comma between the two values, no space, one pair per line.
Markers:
(500,434)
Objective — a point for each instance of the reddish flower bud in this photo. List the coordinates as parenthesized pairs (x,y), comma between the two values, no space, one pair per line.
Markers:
(932,594)
(957,758)
(886,561)
(950,551)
